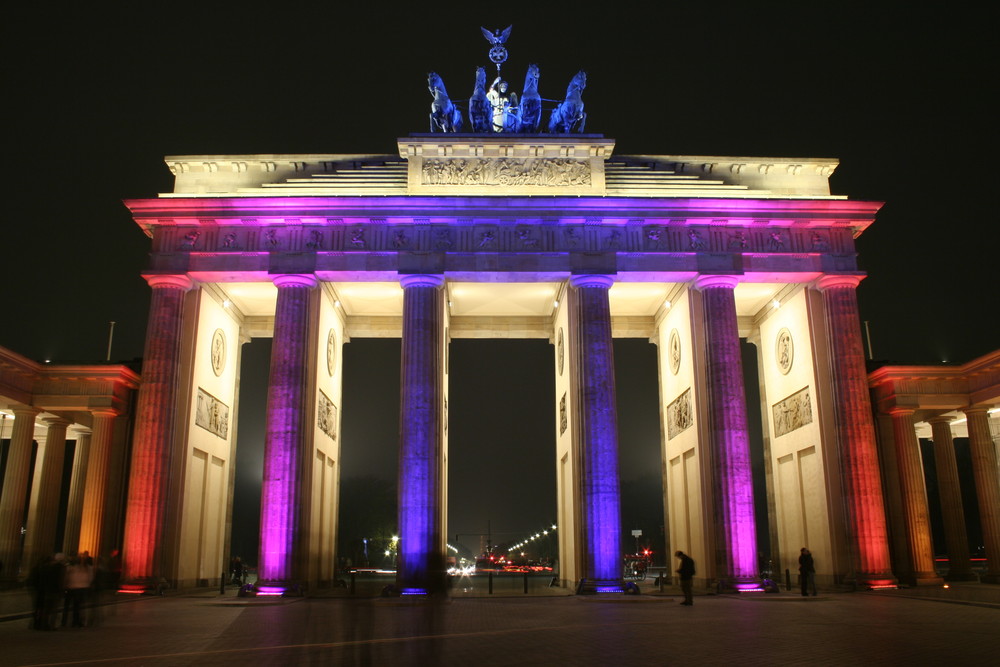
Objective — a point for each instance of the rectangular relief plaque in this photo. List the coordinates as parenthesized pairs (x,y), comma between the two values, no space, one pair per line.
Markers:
(326,416)
(679,414)
(792,412)
(212,414)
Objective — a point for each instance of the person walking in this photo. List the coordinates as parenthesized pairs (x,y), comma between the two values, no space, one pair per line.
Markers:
(686,573)
(807,572)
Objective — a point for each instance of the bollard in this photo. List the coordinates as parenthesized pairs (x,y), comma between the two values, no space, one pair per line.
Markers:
(491,583)
(525,583)
(788,580)
(659,582)
(353,574)
(222,583)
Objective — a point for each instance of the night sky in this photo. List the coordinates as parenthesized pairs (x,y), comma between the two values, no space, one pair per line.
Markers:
(94,99)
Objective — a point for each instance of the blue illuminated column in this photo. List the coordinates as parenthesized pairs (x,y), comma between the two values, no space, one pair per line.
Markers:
(597,419)
(736,537)
(287,407)
(421,429)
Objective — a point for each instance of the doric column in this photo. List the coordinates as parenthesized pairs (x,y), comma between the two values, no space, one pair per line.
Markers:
(94,497)
(984,469)
(15,492)
(914,494)
(154,432)
(856,433)
(74,505)
(590,319)
(736,537)
(284,444)
(950,492)
(43,515)
(421,434)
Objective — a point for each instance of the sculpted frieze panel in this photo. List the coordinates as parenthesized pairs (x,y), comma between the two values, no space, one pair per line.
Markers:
(212,414)
(680,415)
(792,412)
(326,415)
(530,172)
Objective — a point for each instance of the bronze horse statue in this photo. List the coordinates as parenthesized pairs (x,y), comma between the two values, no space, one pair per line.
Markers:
(480,109)
(531,102)
(569,116)
(445,116)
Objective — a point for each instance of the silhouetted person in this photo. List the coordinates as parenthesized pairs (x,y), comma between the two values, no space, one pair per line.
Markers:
(807,572)
(686,573)
(79,580)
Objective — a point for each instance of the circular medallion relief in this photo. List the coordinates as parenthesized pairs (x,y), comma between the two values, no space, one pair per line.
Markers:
(331,351)
(784,351)
(560,350)
(674,346)
(218,352)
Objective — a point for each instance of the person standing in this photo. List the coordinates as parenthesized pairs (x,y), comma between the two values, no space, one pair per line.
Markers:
(807,572)
(686,573)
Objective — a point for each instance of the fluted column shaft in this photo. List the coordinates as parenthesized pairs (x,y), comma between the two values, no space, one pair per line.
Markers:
(914,492)
(74,506)
(856,432)
(598,429)
(735,526)
(286,430)
(984,469)
(154,431)
(95,496)
(950,491)
(420,433)
(15,491)
(40,538)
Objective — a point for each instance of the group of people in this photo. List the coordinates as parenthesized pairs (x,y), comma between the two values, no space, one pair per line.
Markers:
(686,571)
(75,582)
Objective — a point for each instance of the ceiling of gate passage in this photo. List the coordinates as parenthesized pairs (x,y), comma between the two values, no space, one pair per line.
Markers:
(467,299)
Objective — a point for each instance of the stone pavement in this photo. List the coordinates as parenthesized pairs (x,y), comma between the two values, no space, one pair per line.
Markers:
(915,626)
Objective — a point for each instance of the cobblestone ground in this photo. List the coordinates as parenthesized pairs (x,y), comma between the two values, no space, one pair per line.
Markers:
(880,629)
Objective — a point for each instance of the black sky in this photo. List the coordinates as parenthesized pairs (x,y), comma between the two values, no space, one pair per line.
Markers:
(95,98)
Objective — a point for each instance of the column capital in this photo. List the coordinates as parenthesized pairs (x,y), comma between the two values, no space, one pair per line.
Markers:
(80,429)
(592,280)
(940,419)
(900,411)
(57,421)
(105,412)
(176,281)
(976,410)
(705,281)
(26,413)
(824,283)
(295,280)
(421,280)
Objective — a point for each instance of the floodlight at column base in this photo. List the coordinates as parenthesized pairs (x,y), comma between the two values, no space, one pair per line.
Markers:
(598,586)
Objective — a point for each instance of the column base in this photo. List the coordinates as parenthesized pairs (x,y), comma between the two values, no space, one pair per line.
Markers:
(144,586)
(874,582)
(921,579)
(961,576)
(274,589)
(741,585)
(596,586)
(991,578)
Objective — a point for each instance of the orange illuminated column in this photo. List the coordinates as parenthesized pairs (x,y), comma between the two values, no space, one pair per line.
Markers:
(984,468)
(95,493)
(15,490)
(914,491)
(856,432)
(951,502)
(43,514)
(74,505)
(154,432)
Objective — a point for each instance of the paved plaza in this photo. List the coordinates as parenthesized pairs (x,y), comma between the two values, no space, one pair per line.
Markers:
(961,624)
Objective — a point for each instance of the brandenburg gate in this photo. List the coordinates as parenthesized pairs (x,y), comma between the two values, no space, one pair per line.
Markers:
(513,236)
